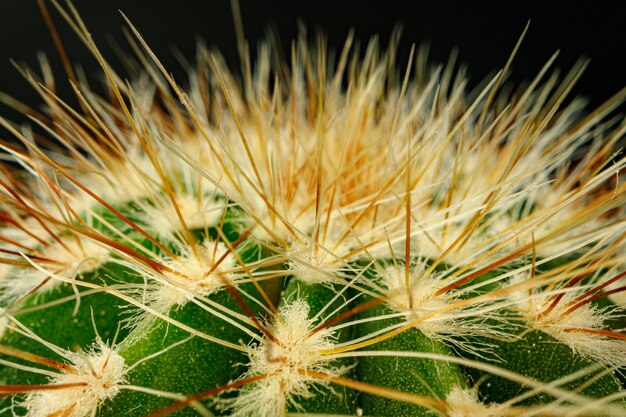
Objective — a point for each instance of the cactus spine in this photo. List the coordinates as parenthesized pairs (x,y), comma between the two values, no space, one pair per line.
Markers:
(314,238)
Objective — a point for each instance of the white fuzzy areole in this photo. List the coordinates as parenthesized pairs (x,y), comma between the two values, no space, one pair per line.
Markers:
(317,266)
(18,234)
(563,325)
(420,293)
(436,315)
(465,403)
(197,213)
(82,257)
(190,276)
(100,374)
(4,323)
(126,179)
(295,350)
(419,298)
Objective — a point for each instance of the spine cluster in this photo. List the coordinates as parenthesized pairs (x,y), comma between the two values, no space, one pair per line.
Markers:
(317,236)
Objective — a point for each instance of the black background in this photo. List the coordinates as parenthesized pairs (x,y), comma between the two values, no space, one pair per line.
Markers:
(484,32)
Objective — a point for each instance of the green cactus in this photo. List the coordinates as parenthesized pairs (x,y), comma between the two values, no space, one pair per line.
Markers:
(319,240)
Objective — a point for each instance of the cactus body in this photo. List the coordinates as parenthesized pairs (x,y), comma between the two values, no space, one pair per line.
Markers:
(323,240)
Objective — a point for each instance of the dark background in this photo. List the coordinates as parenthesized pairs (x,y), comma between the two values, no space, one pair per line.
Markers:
(485,33)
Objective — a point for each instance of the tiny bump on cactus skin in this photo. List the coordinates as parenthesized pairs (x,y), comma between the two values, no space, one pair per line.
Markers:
(287,244)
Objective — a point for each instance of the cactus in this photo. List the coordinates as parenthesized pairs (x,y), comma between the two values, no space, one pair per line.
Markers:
(320,237)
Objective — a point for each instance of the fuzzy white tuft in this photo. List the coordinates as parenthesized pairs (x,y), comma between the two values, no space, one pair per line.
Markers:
(190,276)
(317,265)
(4,322)
(75,257)
(285,362)
(121,180)
(580,329)
(98,375)
(436,314)
(198,213)
(420,293)
(465,403)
